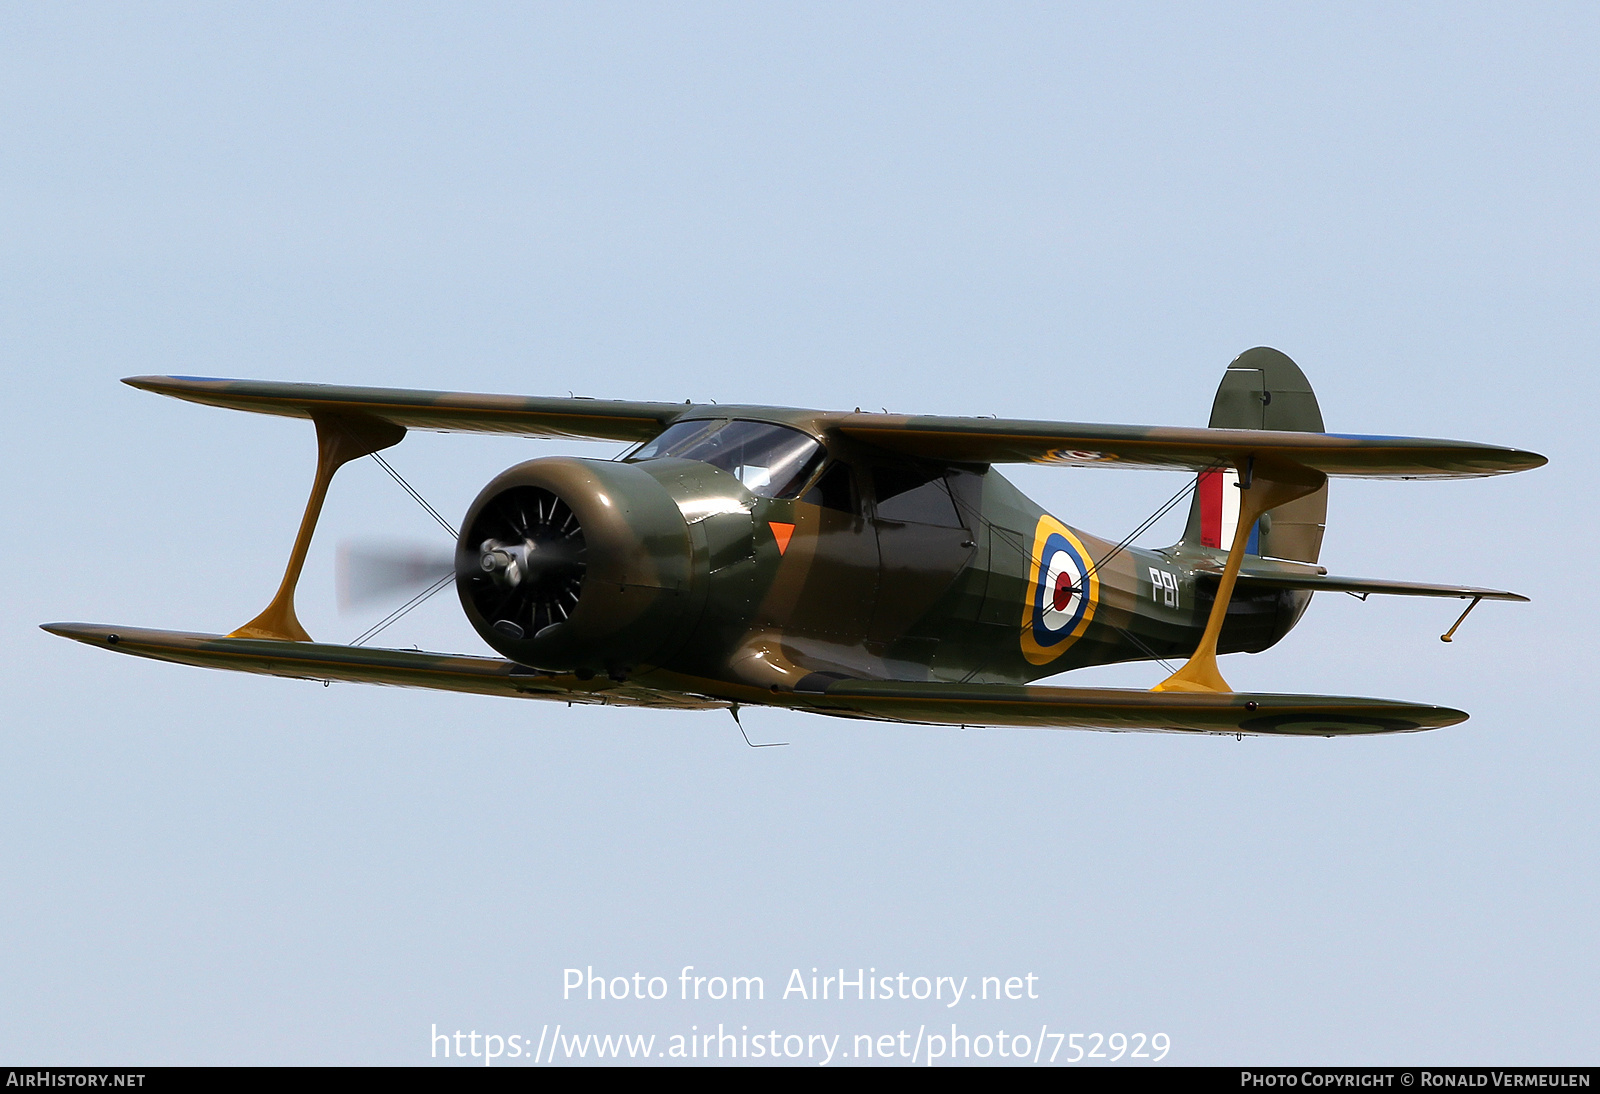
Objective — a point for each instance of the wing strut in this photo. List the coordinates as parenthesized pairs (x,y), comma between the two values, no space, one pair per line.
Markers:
(1263,484)
(340,439)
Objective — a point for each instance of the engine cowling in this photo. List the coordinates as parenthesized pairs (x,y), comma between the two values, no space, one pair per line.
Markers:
(577,566)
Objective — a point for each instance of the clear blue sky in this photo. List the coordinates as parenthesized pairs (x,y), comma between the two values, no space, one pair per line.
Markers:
(1024,210)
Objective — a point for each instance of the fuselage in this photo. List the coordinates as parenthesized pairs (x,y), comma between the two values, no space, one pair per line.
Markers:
(781,557)
(964,593)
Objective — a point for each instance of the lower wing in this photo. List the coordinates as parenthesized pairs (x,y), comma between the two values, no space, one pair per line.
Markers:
(887,700)
(361,665)
(1126,709)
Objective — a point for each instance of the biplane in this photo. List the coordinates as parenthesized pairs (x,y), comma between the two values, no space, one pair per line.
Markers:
(853,564)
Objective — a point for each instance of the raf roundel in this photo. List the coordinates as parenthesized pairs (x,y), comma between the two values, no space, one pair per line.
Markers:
(1062,593)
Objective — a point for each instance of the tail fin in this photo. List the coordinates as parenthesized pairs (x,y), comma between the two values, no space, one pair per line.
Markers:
(1262,389)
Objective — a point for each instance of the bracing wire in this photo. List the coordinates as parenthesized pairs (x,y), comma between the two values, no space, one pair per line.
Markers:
(416,601)
(395,616)
(1122,546)
(1162,661)
(422,501)
(1149,521)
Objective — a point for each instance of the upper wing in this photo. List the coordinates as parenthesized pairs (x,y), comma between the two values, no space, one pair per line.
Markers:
(1123,708)
(357,664)
(995,440)
(957,440)
(454,412)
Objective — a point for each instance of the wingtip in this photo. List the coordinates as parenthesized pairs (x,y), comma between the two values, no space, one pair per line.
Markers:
(1520,459)
(78,632)
(172,385)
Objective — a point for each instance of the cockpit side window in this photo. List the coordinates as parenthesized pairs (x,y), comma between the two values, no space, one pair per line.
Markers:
(914,495)
(834,490)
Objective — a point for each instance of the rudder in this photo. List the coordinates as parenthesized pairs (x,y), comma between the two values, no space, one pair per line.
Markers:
(1262,389)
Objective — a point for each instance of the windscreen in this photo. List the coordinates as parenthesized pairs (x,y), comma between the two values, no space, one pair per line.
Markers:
(772,461)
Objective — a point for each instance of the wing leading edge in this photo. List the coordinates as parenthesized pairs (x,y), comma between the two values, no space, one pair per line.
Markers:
(995,440)
(448,411)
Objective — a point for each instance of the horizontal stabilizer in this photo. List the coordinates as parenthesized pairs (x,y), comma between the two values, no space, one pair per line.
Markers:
(357,664)
(1365,586)
(1125,709)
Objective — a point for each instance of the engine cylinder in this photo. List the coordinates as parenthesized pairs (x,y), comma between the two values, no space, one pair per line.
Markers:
(577,566)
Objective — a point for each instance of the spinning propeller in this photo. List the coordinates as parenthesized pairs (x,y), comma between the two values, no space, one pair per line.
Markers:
(522,564)
(374,570)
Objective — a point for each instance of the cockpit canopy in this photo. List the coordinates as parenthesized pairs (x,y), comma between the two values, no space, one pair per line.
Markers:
(772,461)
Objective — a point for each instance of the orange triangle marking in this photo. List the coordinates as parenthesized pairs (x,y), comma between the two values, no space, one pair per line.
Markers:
(781,532)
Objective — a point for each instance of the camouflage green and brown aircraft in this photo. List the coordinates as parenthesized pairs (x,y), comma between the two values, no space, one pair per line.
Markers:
(859,565)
